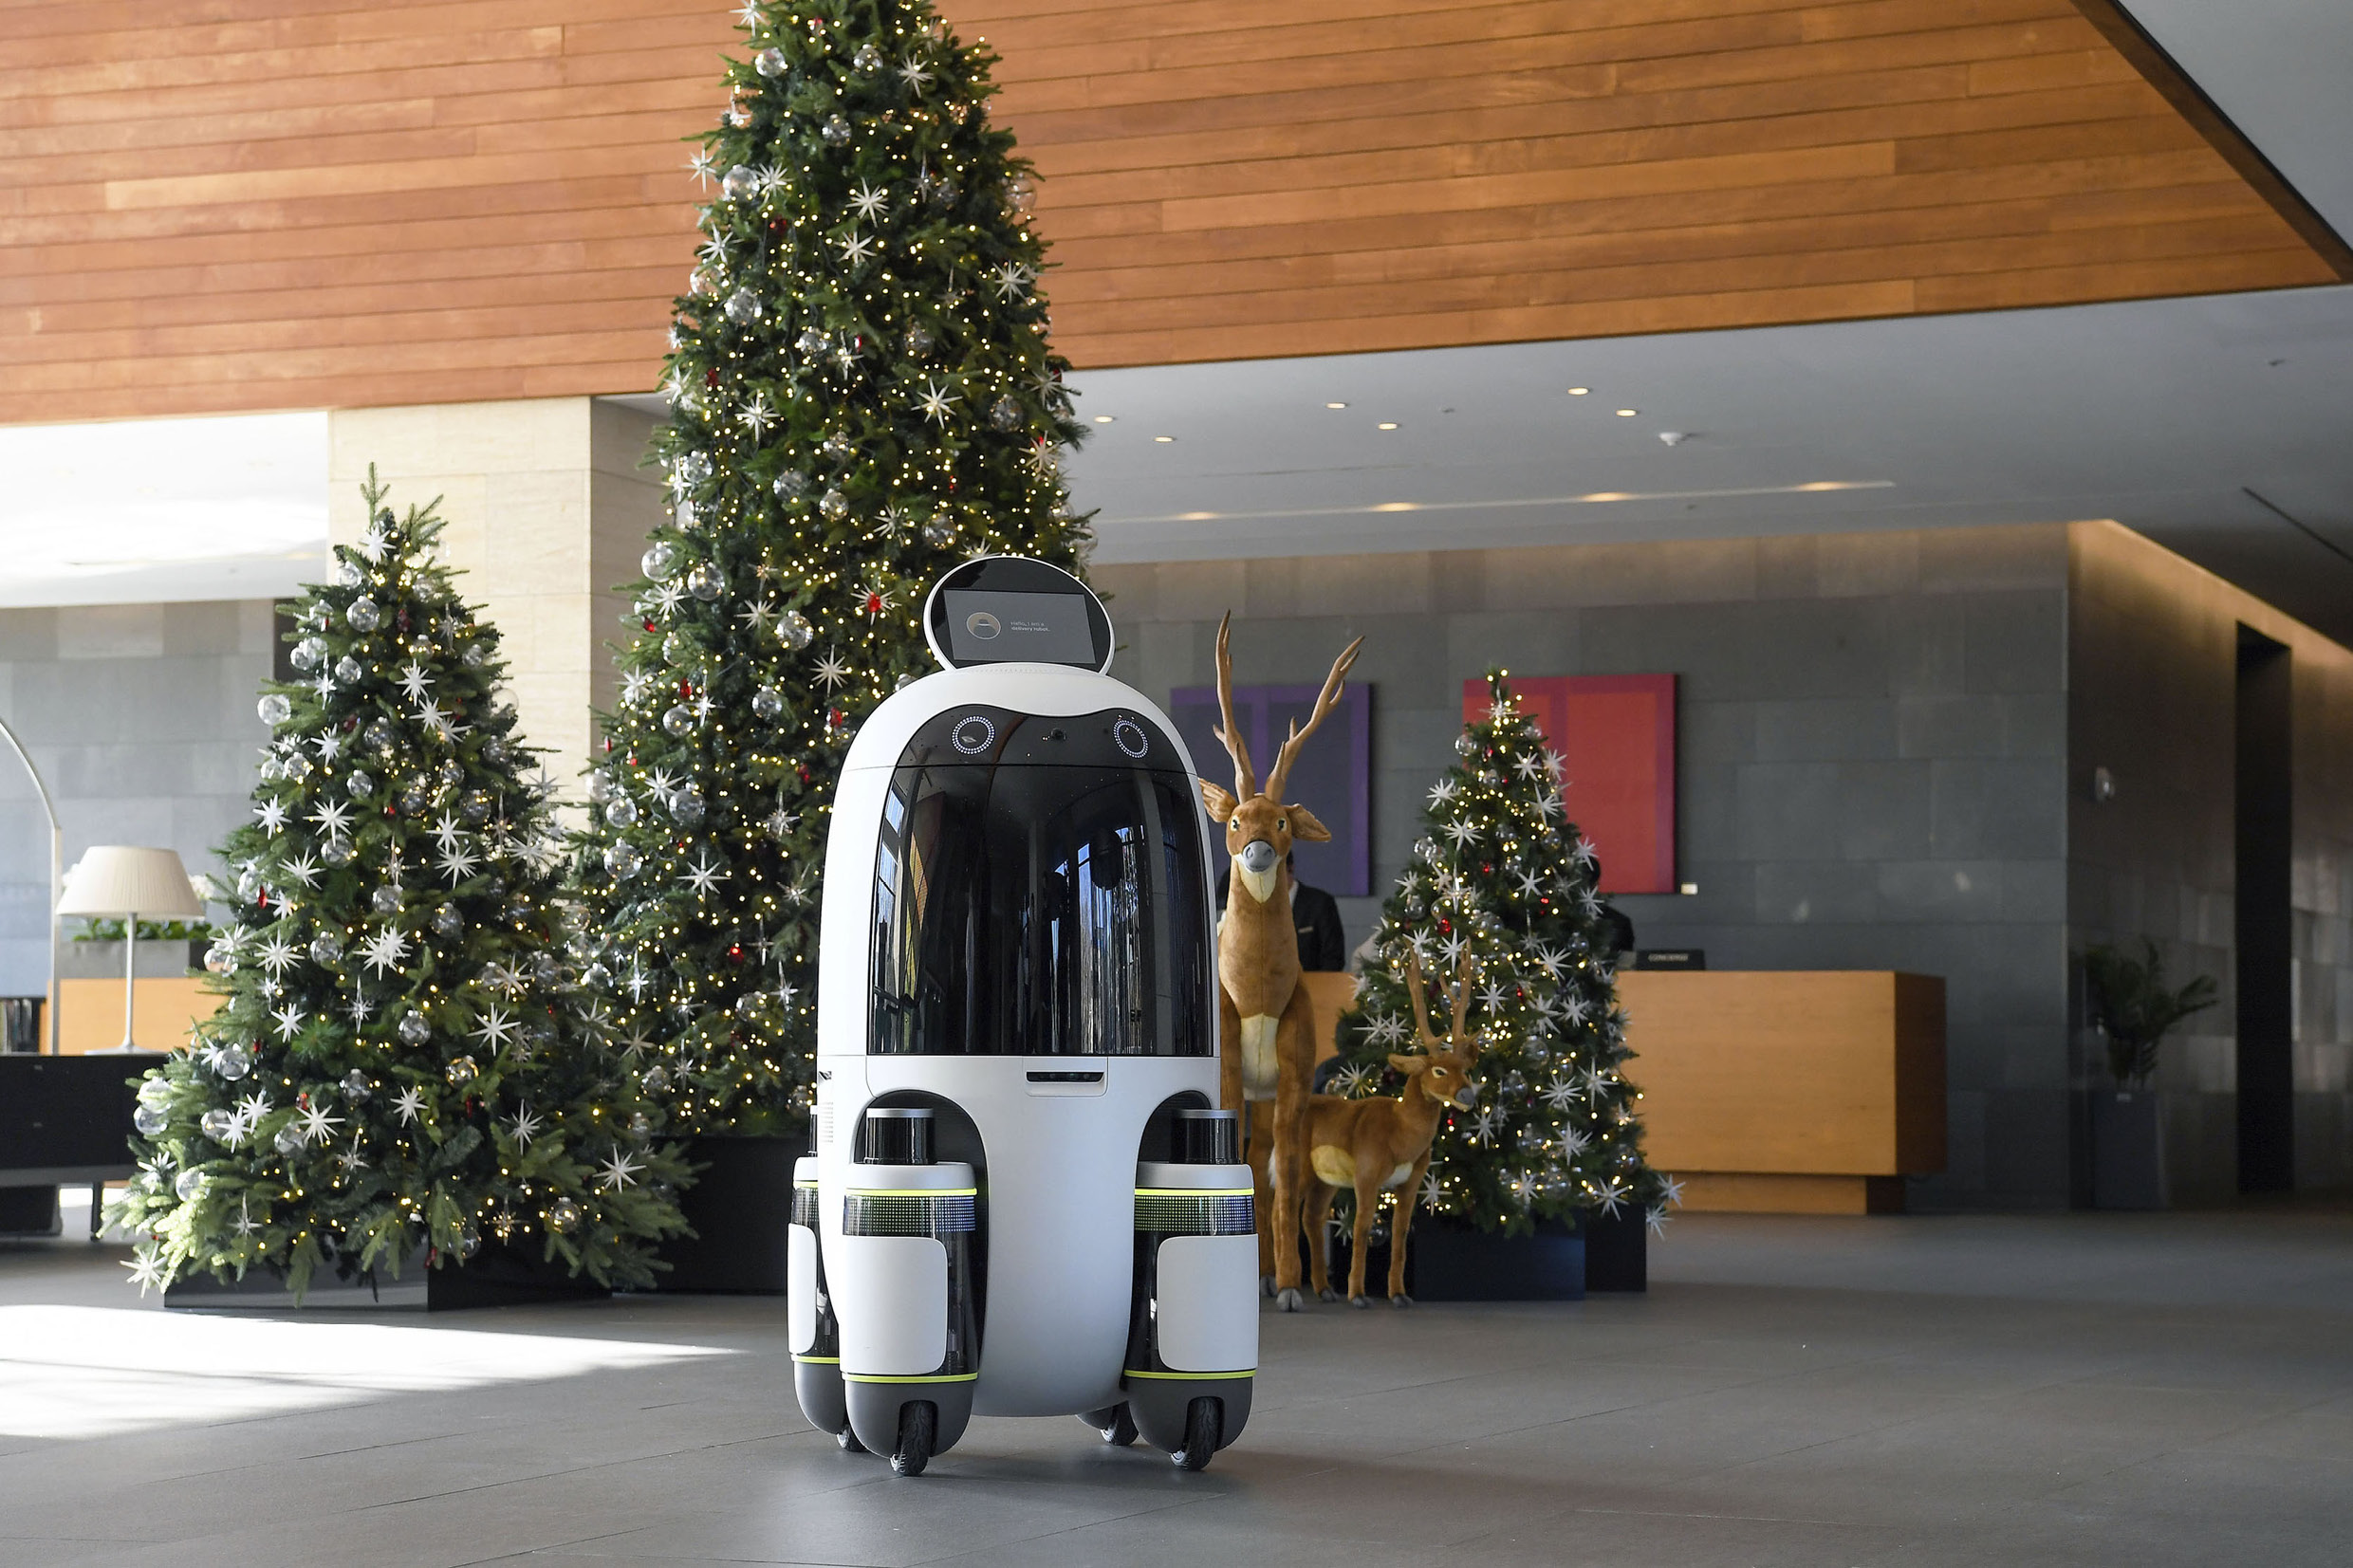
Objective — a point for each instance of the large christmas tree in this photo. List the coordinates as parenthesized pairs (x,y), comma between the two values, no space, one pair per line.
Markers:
(1502,872)
(862,395)
(401,1060)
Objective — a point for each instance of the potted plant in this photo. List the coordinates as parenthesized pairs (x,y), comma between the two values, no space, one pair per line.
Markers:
(2133,1008)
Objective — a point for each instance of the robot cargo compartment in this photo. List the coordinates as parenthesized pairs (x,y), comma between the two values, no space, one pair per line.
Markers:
(906,1277)
(1207,1303)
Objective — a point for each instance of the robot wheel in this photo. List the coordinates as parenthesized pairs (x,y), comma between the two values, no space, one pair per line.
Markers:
(918,1429)
(1202,1421)
(1114,1424)
(849,1440)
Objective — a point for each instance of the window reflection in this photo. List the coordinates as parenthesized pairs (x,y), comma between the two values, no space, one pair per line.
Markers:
(1040,911)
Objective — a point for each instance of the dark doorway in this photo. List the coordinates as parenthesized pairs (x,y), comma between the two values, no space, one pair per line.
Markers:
(2267,1086)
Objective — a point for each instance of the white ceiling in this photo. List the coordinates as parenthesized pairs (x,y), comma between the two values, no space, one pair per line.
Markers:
(2158,413)
(2282,72)
(161,510)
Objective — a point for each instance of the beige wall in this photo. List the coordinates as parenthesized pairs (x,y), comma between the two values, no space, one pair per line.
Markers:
(548,509)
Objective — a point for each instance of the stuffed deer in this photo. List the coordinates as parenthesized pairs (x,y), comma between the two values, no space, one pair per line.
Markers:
(1377,1145)
(1266,1033)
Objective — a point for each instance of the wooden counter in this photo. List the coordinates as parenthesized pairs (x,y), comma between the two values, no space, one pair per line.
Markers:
(1805,1092)
(91,1017)
(1789,1091)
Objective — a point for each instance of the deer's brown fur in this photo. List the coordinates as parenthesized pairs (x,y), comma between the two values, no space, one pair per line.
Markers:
(1380,1144)
(1266,1033)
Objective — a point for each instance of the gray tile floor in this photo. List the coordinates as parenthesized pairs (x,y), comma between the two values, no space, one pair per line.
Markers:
(2095,1390)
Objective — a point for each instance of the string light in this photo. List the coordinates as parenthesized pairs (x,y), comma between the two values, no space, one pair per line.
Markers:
(1502,873)
(862,395)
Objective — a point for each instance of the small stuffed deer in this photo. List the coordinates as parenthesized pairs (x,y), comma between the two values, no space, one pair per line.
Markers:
(1377,1145)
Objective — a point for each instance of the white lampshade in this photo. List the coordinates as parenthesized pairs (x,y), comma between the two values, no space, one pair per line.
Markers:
(115,879)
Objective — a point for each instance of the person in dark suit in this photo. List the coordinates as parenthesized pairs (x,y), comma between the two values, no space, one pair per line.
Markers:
(1315,914)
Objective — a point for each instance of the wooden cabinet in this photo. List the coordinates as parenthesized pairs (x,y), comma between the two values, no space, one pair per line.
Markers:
(90,1018)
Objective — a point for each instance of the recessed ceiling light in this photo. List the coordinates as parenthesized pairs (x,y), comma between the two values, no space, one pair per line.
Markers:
(1628,413)
(1579,392)
(1335,405)
(1164,439)
(1388,424)
(1104,419)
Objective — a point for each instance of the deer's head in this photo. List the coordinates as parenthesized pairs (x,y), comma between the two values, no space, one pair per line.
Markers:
(1441,1069)
(1260,825)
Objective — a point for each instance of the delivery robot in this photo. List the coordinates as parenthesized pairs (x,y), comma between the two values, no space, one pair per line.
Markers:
(1022,1199)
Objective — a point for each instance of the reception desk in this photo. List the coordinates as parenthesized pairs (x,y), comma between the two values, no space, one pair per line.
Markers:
(1808,1092)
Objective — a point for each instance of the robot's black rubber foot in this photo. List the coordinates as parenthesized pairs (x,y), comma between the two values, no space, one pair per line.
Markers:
(918,1429)
(1201,1434)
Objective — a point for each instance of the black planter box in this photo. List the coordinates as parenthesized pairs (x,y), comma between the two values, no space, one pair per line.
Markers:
(499,1275)
(1457,1263)
(1616,1250)
(740,1207)
(2129,1150)
(1450,1262)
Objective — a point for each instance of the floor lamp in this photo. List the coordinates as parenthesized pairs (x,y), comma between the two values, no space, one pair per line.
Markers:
(115,880)
(57,845)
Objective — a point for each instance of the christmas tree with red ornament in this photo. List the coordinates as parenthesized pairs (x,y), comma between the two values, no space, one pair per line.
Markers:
(1500,872)
(862,395)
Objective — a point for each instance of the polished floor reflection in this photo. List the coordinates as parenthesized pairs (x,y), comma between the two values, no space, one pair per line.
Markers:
(2093,1390)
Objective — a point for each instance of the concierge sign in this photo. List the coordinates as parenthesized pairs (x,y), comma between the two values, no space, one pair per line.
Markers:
(1617,736)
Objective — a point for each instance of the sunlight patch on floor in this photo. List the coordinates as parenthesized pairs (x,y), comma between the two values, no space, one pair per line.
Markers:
(91,1371)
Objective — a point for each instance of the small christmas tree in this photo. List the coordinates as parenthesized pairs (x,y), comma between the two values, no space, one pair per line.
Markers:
(401,1060)
(1501,872)
(864,396)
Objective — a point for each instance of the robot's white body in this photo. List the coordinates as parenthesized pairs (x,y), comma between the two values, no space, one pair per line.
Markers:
(1015,952)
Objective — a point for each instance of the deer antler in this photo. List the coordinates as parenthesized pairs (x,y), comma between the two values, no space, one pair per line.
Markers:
(1461,997)
(1245,779)
(1333,686)
(1421,1007)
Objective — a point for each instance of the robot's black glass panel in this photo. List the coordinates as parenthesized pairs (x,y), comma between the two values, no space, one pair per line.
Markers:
(1039,890)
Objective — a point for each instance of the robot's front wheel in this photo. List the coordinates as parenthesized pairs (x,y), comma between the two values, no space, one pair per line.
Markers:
(849,1440)
(918,1428)
(1202,1420)
(1114,1425)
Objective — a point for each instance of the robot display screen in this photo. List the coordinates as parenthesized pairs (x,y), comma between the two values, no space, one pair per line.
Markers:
(986,627)
(1048,907)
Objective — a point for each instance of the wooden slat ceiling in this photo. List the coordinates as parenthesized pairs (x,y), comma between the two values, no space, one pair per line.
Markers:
(212,205)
